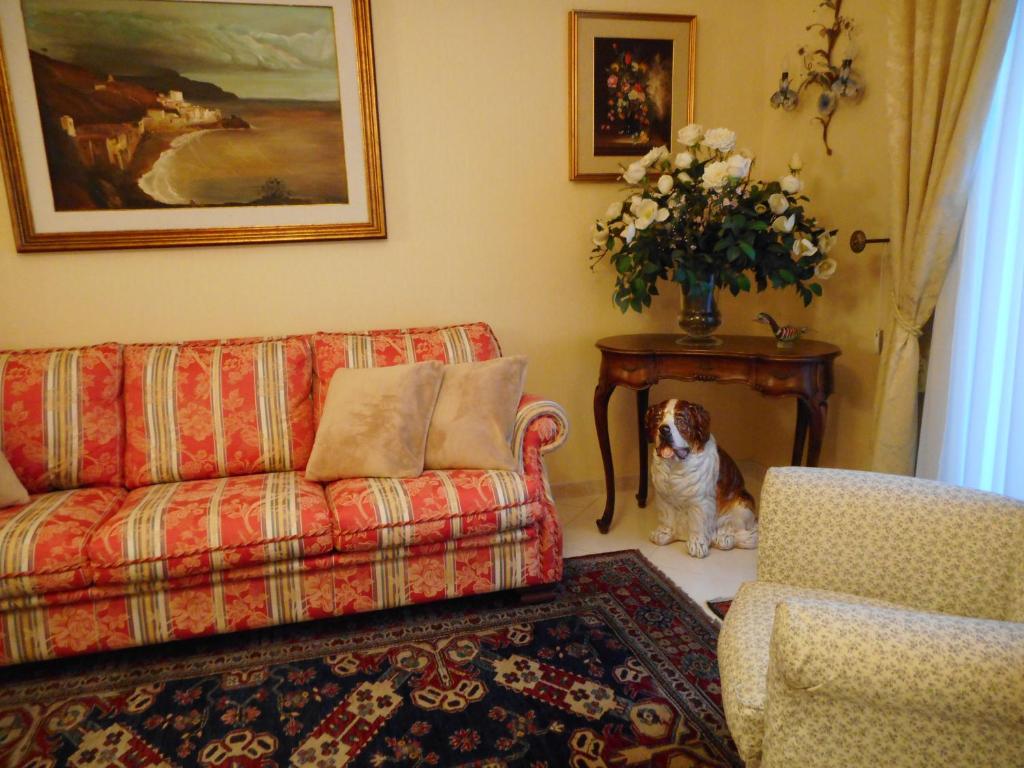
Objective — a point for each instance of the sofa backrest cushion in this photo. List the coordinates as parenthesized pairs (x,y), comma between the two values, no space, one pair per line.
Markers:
(452,344)
(60,416)
(199,410)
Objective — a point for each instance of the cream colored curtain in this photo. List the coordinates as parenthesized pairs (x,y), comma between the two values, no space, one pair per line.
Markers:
(944,58)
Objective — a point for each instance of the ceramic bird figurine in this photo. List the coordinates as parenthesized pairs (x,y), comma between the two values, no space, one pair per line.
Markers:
(785,335)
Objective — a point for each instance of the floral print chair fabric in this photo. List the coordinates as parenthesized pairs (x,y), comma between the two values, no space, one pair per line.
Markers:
(886,626)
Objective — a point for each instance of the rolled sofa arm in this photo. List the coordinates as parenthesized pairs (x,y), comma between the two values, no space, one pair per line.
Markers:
(541,426)
(919,543)
(862,685)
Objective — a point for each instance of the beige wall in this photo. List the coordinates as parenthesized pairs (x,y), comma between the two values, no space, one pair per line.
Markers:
(484,224)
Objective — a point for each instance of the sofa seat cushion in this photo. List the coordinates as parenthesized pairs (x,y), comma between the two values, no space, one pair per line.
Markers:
(201,410)
(437,506)
(60,416)
(743,646)
(179,529)
(43,543)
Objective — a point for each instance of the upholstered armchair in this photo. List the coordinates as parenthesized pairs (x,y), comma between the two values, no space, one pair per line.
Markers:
(886,626)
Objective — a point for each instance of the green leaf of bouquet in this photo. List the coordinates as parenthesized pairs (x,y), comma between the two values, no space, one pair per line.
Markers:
(748,249)
(743,281)
(816,288)
(787,276)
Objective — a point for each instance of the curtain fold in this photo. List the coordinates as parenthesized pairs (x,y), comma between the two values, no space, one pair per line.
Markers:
(944,58)
(972,430)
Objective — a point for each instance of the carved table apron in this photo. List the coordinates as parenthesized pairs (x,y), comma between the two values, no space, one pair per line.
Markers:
(639,361)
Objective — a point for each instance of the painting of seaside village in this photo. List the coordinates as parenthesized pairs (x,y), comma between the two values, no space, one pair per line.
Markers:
(151,104)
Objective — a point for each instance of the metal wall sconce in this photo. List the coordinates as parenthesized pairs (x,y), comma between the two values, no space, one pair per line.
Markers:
(858,240)
(835,82)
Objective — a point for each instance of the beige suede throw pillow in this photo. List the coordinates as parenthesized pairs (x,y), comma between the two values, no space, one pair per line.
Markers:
(475,415)
(375,422)
(11,490)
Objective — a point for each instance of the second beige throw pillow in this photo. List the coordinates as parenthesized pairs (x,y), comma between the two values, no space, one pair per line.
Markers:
(475,415)
(375,422)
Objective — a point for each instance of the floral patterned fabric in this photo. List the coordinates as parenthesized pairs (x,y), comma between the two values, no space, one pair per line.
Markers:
(883,562)
(443,505)
(929,689)
(918,543)
(216,409)
(743,647)
(454,344)
(42,543)
(173,530)
(280,592)
(60,416)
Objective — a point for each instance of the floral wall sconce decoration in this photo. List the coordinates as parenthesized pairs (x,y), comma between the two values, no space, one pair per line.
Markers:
(835,81)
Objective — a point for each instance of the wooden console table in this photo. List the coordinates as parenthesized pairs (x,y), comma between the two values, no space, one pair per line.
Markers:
(640,361)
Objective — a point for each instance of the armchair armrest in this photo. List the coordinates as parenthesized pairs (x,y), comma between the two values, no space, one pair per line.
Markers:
(863,685)
(918,543)
(541,426)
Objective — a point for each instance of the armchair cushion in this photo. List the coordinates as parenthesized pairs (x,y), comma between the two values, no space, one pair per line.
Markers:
(11,490)
(892,687)
(918,543)
(743,651)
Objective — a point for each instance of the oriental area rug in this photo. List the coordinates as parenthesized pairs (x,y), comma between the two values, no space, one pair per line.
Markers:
(619,669)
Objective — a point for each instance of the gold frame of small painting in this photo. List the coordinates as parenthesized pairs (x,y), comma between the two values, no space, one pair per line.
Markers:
(631,87)
(76,157)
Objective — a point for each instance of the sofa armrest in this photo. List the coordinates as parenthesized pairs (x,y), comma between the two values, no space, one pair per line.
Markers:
(541,426)
(884,683)
(919,543)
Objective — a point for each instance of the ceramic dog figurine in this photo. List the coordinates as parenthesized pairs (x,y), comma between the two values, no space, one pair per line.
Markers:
(699,489)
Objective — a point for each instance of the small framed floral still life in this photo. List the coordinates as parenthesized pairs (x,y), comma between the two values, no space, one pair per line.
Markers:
(631,79)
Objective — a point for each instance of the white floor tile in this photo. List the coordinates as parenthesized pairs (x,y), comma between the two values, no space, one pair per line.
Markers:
(717,575)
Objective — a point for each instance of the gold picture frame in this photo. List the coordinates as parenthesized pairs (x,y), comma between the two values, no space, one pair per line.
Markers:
(612,55)
(58,206)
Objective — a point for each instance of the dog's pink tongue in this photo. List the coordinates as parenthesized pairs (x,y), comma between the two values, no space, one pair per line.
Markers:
(667,452)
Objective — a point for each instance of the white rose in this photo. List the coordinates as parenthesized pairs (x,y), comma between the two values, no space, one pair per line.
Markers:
(635,172)
(791,184)
(656,155)
(614,210)
(825,268)
(826,242)
(784,224)
(684,177)
(629,232)
(739,166)
(802,246)
(647,213)
(683,160)
(720,139)
(716,174)
(795,164)
(665,184)
(778,203)
(689,135)
(599,233)
(760,208)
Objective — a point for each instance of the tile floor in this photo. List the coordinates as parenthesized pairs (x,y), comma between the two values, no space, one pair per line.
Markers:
(718,575)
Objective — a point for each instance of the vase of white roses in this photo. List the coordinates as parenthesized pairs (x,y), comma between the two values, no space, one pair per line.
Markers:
(699,220)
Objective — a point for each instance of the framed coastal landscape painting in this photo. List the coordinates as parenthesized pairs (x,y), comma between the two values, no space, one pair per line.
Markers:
(631,80)
(148,123)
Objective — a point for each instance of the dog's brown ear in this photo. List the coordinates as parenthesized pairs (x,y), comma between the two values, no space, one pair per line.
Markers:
(651,419)
(700,422)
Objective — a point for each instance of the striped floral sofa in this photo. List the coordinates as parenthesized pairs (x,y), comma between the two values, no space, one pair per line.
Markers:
(168,498)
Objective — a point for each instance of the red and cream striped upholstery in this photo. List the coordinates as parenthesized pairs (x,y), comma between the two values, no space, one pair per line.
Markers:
(60,416)
(375,349)
(42,543)
(214,409)
(221,532)
(173,530)
(381,512)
